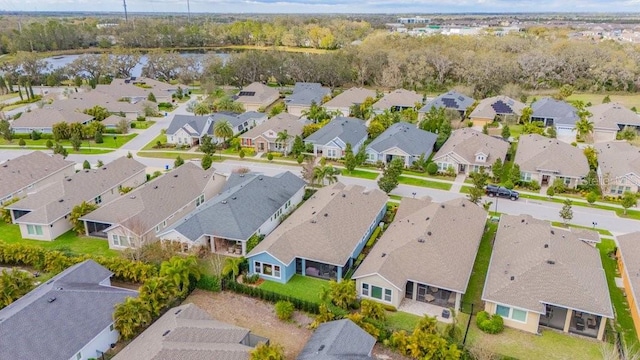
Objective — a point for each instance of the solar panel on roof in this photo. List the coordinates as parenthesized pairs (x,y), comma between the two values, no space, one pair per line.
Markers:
(501,108)
(247,93)
(449,102)
(460,98)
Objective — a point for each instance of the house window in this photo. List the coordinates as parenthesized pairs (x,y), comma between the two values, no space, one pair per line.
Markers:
(276,271)
(267,269)
(332,153)
(79,355)
(519,315)
(365,289)
(123,241)
(376,292)
(503,311)
(387,295)
(116,242)
(371,157)
(34,229)
(111,327)
(200,200)
(98,199)
(157,228)
(511,313)
(164,224)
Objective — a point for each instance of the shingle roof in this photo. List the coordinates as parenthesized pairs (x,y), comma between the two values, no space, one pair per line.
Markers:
(46,117)
(306,93)
(611,115)
(57,200)
(338,340)
(431,243)
(536,152)
(325,228)
(151,203)
(246,202)
(629,251)
(349,130)
(618,158)
(194,125)
(276,124)
(118,88)
(27,169)
(84,100)
(35,328)
(261,93)
(534,264)
(113,120)
(399,97)
(549,108)
(466,143)
(187,332)
(406,137)
(497,105)
(451,100)
(350,97)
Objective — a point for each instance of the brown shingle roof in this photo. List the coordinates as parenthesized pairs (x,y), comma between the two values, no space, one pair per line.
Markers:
(262,93)
(534,264)
(46,117)
(536,153)
(327,227)
(629,250)
(399,97)
(27,169)
(466,143)
(431,243)
(618,158)
(609,115)
(486,110)
(85,100)
(276,124)
(350,97)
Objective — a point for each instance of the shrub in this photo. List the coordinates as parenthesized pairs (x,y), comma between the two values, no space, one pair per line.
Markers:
(432,168)
(133,125)
(35,135)
(508,184)
(551,191)
(209,282)
(300,159)
(250,279)
(592,197)
(49,144)
(284,310)
(141,118)
(241,154)
(534,185)
(490,324)
(269,156)
(22,142)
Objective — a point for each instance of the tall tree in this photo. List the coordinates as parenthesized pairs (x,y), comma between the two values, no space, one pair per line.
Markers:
(222,129)
(350,161)
(79,211)
(496,169)
(207,145)
(131,316)
(5,130)
(628,200)
(391,175)
(566,213)
(283,139)
(180,270)
(479,178)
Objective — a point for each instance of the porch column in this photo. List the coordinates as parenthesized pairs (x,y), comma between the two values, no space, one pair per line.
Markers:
(567,320)
(339,274)
(244,248)
(603,325)
(304,266)
(213,244)
(458,301)
(415,291)
(86,228)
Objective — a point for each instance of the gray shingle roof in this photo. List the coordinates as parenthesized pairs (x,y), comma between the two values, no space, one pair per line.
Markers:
(45,205)
(399,97)
(350,97)
(466,143)
(306,93)
(349,130)
(276,124)
(198,123)
(548,265)
(618,159)
(246,202)
(629,251)
(325,228)
(451,100)
(46,117)
(406,137)
(34,328)
(27,169)
(187,332)
(338,340)
(612,116)
(450,234)
(536,152)
(486,109)
(561,112)
(154,201)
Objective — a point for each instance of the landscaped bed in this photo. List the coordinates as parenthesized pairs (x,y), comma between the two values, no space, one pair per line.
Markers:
(424,183)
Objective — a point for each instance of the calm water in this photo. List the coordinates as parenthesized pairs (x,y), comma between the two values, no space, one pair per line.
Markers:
(57,62)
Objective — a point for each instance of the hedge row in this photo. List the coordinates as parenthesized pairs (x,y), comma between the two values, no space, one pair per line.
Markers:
(269,296)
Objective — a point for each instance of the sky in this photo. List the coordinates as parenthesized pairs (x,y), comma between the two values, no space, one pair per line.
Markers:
(327,6)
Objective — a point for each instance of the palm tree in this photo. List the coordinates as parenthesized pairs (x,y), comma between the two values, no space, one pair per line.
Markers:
(283,138)
(79,211)
(264,351)
(325,172)
(223,129)
(179,270)
(201,109)
(158,292)
(232,266)
(584,127)
(130,316)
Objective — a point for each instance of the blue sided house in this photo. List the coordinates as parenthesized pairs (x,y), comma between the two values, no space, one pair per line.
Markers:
(323,237)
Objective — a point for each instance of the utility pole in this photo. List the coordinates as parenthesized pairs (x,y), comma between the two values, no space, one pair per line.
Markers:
(188,12)
(124,4)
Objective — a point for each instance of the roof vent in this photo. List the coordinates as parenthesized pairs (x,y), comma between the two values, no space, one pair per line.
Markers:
(178,312)
(104,168)
(51,299)
(522,220)
(132,197)
(326,215)
(313,221)
(553,232)
(344,195)
(224,201)
(175,175)
(313,213)
(59,288)
(155,187)
(462,204)
(546,246)
(383,254)
(551,262)
(68,179)
(86,170)
(427,218)
(429,233)
(61,200)
(5,165)
(420,240)
(233,198)
(166,333)
(513,278)
(321,348)
(260,178)
(442,206)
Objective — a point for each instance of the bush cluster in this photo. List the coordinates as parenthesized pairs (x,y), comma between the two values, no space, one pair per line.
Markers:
(270,296)
(490,324)
(284,310)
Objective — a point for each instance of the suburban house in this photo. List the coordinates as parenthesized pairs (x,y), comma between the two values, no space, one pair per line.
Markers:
(610,118)
(332,139)
(85,100)
(113,121)
(544,159)
(188,332)
(468,150)
(248,205)
(540,275)
(304,94)
(618,167)
(28,173)
(344,101)
(401,140)
(451,100)
(257,96)
(44,215)
(628,255)
(338,340)
(496,108)
(42,120)
(189,129)
(397,272)
(398,100)
(558,114)
(68,317)
(138,89)
(264,137)
(323,237)
(135,219)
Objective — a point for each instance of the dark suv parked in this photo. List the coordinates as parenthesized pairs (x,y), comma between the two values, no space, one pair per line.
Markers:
(499,191)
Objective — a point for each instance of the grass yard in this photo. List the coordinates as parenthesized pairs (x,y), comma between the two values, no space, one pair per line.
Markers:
(108,142)
(465,189)
(173,155)
(631,214)
(473,295)
(8,96)
(360,174)
(424,183)
(301,287)
(623,321)
(395,197)
(426,175)
(399,320)
(141,125)
(600,231)
(162,138)
(69,241)
(628,100)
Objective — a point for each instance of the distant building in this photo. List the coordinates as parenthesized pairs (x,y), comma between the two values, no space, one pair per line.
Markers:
(414,20)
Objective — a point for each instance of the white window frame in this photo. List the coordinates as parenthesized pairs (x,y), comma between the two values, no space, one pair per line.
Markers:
(116,240)
(365,290)
(388,294)
(276,270)
(510,310)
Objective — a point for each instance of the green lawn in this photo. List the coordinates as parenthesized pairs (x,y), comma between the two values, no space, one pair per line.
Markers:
(172,155)
(142,124)
(360,174)
(631,214)
(69,241)
(395,197)
(8,96)
(162,138)
(465,189)
(301,287)
(399,320)
(426,175)
(628,100)
(108,142)
(623,321)
(473,295)
(70,150)
(600,231)
(424,183)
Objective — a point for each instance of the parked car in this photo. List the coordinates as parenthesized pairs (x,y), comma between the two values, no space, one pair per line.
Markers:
(499,191)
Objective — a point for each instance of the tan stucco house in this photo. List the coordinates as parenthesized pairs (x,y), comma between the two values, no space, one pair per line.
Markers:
(468,150)
(257,96)
(609,118)
(618,167)
(494,108)
(264,137)
(628,255)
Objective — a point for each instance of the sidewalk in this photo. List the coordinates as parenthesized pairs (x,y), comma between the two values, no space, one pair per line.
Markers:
(458,182)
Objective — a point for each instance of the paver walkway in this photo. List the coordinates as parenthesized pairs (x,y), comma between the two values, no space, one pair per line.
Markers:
(458,182)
